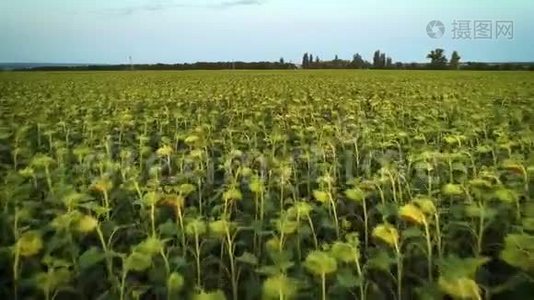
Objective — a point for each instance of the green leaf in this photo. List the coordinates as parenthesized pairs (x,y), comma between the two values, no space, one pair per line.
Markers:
(347,279)
(90,257)
(355,194)
(53,279)
(248,258)
(268,270)
(460,287)
(480,183)
(455,267)
(475,211)
(519,251)
(506,195)
(380,260)
(528,223)
(186,189)
(151,198)
(344,252)
(216,295)
(168,229)
(528,209)
(428,291)
(484,149)
(412,232)
(151,246)
(55,262)
(387,209)
(286,226)
(95,208)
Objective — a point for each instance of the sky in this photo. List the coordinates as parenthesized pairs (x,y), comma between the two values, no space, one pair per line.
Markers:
(177,31)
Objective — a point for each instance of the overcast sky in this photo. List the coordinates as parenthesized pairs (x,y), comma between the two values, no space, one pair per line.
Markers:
(169,31)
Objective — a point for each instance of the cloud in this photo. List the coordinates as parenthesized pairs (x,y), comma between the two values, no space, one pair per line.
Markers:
(149,7)
(228,4)
(165,5)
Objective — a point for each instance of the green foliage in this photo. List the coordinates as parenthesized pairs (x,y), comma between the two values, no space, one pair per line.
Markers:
(279,287)
(457,277)
(138,262)
(175,282)
(519,251)
(215,295)
(30,243)
(320,263)
(243,185)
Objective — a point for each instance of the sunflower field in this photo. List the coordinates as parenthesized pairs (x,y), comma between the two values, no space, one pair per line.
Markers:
(267,185)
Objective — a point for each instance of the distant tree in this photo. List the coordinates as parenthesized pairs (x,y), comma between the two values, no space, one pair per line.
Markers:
(382,60)
(305,61)
(376,59)
(282,60)
(317,60)
(336,58)
(438,60)
(455,60)
(357,62)
(311,58)
(354,63)
(389,62)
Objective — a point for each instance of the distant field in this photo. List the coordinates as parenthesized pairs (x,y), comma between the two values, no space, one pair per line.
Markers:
(276,184)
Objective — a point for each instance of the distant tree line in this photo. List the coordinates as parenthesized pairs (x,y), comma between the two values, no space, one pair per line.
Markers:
(478,66)
(437,61)
(380,61)
(238,65)
(437,57)
(357,62)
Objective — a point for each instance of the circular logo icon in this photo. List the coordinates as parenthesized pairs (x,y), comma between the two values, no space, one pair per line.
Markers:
(435,29)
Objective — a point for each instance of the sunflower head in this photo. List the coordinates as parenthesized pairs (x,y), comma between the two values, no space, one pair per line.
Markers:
(413,214)
(387,234)
(87,224)
(29,244)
